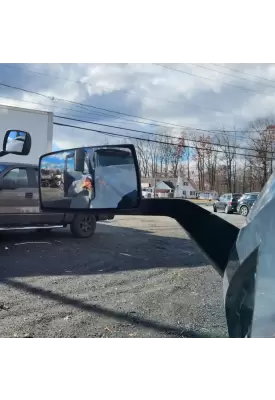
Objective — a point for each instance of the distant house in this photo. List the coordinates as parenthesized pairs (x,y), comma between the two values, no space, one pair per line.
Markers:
(164,189)
(185,188)
(172,187)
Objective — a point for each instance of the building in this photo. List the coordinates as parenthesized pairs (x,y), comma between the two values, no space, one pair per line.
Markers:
(185,188)
(172,187)
(165,189)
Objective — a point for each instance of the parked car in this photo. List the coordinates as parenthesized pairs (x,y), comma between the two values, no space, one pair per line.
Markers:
(227,202)
(20,209)
(246,202)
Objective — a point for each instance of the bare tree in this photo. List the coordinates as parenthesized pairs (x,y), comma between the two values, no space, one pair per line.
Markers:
(262,143)
(177,154)
(199,144)
(143,156)
(166,152)
(228,145)
(211,158)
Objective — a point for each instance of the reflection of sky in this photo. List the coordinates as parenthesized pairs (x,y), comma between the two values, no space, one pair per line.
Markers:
(15,134)
(57,161)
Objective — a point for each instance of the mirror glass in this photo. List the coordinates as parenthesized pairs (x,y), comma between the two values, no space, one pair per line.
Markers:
(90,177)
(15,141)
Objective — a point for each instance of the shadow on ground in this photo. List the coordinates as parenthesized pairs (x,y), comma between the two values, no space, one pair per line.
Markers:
(106,312)
(111,249)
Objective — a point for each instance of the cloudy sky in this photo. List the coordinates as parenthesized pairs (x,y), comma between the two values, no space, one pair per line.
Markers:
(150,97)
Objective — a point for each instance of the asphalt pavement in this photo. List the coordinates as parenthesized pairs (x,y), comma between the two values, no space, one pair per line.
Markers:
(137,277)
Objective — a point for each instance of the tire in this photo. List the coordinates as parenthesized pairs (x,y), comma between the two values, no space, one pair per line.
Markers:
(214,209)
(83,226)
(226,210)
(244,211)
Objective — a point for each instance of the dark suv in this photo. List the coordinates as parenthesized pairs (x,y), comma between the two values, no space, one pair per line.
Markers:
(246,202)
(227,202)
(19,204)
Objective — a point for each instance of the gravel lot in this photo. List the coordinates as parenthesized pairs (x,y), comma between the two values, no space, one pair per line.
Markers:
(137,277)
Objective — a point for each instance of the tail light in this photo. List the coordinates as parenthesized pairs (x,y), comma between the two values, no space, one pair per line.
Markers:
(230,203)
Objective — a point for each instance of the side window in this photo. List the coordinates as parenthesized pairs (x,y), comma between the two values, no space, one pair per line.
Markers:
(17,177)
(228,197)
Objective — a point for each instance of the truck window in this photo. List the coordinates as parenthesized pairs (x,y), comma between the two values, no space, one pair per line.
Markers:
(105,159)
(17,175)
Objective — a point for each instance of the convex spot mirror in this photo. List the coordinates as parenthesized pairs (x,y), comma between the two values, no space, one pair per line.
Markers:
(17,142)
(94,178)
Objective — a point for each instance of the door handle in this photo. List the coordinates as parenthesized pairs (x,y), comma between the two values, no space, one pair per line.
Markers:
(28,195)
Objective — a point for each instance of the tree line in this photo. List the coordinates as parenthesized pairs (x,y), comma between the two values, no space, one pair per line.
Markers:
(223,161)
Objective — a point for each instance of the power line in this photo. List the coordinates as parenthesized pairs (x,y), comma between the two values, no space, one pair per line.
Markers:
(122,90)
(163,123)
(147,140)
(93,113)
(89,112)
(158,134)
(214,80)
(238,77)
(245,73)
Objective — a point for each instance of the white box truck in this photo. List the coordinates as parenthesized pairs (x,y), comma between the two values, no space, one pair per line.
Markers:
(38,123)
(19,193)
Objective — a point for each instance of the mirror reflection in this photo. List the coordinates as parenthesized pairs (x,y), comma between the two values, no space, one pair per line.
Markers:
(15,142)
(90,177)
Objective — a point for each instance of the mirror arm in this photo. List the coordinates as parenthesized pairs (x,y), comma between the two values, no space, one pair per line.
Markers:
(3,153)
(214,236)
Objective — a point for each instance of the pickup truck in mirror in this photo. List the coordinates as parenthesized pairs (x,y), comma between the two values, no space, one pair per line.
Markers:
(93,178)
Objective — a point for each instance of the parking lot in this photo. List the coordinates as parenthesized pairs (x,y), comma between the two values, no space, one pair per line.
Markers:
(137,277)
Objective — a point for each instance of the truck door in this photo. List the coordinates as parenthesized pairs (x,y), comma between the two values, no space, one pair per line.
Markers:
(15,197)
(38,216)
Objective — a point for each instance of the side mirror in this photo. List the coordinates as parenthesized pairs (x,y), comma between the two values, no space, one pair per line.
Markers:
(79,159)
(16,142)
(109,179)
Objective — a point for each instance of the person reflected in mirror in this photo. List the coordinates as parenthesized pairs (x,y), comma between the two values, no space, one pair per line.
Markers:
(81,191)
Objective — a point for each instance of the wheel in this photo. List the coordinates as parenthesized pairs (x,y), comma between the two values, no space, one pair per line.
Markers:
(244,211)
(214,208)
(226,210)
(83,226)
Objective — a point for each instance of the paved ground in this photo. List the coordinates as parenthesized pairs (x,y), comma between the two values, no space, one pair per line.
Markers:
(234,219)
(137,277)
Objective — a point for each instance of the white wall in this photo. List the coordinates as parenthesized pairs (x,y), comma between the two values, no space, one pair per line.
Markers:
(38,124)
